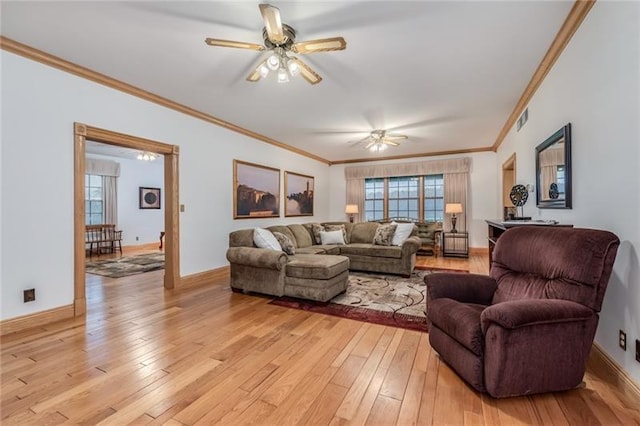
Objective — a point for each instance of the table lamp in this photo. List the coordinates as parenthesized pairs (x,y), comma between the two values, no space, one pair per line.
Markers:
(453,208)
(351,210)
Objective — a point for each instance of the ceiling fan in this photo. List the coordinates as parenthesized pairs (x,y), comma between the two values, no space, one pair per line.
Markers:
(280,39)
(379,140)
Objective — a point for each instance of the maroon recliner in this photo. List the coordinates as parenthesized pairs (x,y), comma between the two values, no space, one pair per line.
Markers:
(528,327)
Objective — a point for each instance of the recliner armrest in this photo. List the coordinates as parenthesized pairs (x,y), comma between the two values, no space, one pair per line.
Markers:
(465,288)
(526,312)
(257,257)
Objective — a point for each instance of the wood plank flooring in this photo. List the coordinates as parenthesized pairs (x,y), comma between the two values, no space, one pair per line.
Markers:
(206,355)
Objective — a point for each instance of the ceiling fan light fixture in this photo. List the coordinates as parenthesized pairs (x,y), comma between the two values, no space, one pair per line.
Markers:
(147,156)
(283,76)
(273,62)
(263,69)
(293,67)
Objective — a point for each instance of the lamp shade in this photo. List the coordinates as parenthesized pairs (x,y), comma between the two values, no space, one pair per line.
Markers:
(351,209)
(453,208)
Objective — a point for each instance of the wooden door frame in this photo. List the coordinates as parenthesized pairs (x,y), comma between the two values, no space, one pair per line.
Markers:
(82,133)
(509,164)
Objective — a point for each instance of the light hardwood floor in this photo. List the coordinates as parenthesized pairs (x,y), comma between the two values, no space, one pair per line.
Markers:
(205,355)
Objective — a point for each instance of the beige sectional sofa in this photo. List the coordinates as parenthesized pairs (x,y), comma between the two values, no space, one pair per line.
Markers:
(316,271)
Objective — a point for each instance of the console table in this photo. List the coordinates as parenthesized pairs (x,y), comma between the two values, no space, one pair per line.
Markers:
(497,228)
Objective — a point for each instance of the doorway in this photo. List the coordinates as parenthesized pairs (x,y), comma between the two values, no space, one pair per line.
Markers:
(82,133)
(508,181)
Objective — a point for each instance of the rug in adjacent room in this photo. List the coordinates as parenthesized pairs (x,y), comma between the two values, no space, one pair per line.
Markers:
(376,298)
(125,266)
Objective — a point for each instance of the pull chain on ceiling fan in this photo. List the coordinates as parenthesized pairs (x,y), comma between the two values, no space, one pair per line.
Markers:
(280,39)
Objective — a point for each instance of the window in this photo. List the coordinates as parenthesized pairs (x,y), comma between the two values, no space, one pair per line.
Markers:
(93,199)
(433,198)
(403,197)
(415,197)
(374,199)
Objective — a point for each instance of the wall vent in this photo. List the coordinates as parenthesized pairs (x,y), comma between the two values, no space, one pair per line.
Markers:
(523,119)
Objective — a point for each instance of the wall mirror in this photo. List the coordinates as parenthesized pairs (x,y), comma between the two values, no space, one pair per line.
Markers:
(553,171)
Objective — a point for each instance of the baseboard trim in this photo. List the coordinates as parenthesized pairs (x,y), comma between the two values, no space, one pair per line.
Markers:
(206,277)
(479,250)
(612,369)
(37,319)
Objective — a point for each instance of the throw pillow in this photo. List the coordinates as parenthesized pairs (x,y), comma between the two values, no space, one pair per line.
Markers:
(263,238)
(384,234)
(403,231)
(338,228)
(316,229)
(285,243)
(331,237)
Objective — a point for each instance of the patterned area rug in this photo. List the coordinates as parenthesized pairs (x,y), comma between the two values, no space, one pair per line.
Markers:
(125,266)
(377,298)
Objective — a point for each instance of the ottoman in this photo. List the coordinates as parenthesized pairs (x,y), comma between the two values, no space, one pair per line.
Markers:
(316,276)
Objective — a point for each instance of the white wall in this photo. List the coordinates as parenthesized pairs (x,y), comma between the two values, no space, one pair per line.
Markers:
(595,86)
(482,194)
(39,106)
(145,224)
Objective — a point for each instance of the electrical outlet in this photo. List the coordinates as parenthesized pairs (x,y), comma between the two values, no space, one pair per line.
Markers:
(29,295)
(622,340)
(637,350)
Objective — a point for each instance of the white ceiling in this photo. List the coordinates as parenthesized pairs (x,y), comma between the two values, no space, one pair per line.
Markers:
(445,73)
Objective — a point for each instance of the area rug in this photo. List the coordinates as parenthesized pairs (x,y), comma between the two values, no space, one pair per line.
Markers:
(125,266)
(376,298)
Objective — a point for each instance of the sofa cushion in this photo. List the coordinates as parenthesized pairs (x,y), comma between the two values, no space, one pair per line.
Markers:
(402,232)
(301,235)
(461,321)
(283,230)
(384,234)
(332,237)
(285,242)
(319,249)
(364,232)
(316,267)
(263,238)
(329,227)
(371,250)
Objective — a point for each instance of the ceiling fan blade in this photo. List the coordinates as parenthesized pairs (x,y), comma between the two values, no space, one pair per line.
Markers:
(255,74)
(320,45)
(388,142)
(370,144)
(235,44)
(307,73)
(395,137)
(272,22)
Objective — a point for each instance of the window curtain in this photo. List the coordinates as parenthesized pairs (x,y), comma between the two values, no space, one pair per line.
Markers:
(110,171)
(455,171)
(455,191)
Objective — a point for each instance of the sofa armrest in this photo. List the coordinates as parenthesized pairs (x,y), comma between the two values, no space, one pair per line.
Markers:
(526,312)
(411,245)
(465,288)
(257,257)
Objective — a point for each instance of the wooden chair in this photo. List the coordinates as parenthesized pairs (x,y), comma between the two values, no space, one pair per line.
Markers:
(103,237)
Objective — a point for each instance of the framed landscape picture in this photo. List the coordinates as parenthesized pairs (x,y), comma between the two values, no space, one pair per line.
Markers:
(256,191)
(298,191)
(149,198)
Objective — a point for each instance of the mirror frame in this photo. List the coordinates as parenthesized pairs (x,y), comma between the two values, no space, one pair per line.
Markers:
(565,133)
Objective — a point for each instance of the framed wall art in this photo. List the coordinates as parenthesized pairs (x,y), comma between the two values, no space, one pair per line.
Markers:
(299,190)
(256,191)
(149,198)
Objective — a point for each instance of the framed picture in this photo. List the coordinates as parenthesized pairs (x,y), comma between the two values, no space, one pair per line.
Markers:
(298,191)
(149,198)
(256,191)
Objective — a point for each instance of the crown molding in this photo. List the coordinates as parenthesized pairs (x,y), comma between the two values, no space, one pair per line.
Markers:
(34,54)
(571,24)
(403,157)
